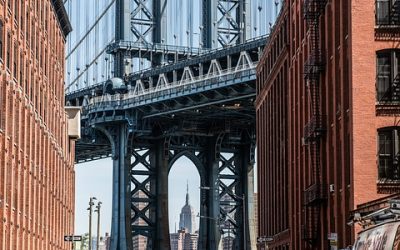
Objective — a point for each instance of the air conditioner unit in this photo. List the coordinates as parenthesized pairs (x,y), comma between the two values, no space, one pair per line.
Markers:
(74,122)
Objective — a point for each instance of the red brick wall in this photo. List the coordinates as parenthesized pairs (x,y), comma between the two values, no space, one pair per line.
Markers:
(36,164)
(364,113)
(348,148)
(272,137)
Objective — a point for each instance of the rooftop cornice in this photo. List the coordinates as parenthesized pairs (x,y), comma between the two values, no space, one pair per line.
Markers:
(62,16)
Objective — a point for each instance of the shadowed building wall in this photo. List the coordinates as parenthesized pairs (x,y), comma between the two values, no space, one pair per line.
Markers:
(36,154)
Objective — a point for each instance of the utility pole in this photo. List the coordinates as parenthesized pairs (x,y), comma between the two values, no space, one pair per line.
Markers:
(244,221)
(98,224)
(91,203)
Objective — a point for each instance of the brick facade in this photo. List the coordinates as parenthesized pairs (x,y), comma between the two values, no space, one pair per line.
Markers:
(349,40)
(272,135)
(36,155)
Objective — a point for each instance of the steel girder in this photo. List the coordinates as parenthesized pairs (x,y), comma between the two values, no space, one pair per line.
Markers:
(148,21)
(226,22)
(140,185)
(138,21)
(253,48)
(119,137)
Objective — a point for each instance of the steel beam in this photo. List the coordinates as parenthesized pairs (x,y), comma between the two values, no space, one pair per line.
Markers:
(213,206)
(122,33)
(225,22)
(160,28)
(246,162)
(118,135)
(143,193)
(209,19)
(160,159)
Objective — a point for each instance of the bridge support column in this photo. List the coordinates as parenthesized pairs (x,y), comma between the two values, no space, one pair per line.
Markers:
(246,162)
(159,159)
(120,226)
(210,235)
(122,32)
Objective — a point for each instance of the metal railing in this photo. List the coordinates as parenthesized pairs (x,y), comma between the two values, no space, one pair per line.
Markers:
(129,45)
(314,193)
(171,88)
(71,89)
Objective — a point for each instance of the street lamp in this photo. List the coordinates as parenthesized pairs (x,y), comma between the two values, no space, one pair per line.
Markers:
(243,199)
(91,203)
(98,224)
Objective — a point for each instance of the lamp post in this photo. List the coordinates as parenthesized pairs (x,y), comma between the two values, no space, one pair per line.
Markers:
(243,199)
(98,224)
(91,203)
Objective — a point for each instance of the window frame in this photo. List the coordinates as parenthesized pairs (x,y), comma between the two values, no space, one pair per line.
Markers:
(388,153)
(388,76)
(1,40)
(388,20)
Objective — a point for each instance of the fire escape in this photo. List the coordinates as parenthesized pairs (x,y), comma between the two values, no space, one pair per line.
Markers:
(314,195)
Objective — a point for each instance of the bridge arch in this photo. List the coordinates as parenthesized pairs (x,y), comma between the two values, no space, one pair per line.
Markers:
(182,167)
(193,158)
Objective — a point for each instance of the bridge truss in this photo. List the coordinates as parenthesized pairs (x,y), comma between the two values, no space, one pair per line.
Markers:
(193,103)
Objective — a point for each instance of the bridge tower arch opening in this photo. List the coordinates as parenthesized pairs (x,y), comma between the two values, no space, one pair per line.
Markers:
(184,180)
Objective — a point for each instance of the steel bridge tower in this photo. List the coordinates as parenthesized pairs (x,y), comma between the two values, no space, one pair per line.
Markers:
(214,127)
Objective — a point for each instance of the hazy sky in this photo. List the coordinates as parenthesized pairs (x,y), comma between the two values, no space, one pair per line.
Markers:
(95,179)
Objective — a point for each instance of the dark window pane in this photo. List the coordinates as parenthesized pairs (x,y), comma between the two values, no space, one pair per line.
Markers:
(1,40)
(383,77)
(388,153)
(382,12)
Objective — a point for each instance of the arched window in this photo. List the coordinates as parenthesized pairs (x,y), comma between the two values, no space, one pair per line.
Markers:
(389,153)
(388,76)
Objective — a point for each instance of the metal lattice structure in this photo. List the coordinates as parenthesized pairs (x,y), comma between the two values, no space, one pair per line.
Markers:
(193,102)
(313,131)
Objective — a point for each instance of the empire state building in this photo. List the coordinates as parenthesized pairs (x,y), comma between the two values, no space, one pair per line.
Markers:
(187,216)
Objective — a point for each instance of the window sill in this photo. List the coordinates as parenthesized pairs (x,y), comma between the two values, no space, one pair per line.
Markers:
(387,32)
(388,186)
(387,108)
(387,26)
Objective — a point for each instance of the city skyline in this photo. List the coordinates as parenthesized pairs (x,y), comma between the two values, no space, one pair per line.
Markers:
(100,172)
(181,172)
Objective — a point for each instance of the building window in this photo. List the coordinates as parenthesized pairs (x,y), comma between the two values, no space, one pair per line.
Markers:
(1,40)
(8,51)
(16,11)
(389,153)
(387,12)
(15,62)
(388,76)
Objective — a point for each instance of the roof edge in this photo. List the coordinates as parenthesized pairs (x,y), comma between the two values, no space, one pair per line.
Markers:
(62,16)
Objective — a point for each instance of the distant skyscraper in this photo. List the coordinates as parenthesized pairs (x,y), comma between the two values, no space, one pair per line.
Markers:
(183,240)
(187,237)
(187,216)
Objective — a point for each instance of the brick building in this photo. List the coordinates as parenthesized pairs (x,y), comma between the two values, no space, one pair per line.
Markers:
(328,110)
(36,153)
(184,240)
